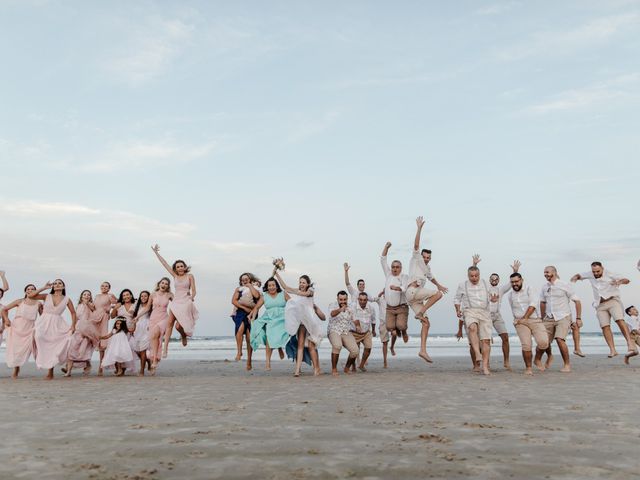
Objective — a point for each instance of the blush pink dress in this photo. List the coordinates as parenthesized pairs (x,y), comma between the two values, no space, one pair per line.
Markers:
(100,316)
(20,335)
(158,320)
(128,315)
(182,306)
(86,338)
(52,335)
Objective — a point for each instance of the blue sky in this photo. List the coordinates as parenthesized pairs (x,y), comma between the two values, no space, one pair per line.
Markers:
(233,132)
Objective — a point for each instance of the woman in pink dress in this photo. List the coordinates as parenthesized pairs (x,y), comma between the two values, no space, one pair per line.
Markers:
(125,307)
(100,315)
(86,338)
(158,320)
(140,339)
(20,331)
(52,333)
(5,287)
(182,310)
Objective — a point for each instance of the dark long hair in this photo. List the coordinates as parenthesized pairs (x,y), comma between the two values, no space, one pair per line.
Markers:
(64,287)
(27,286)
(123,325)
(121,301)
(266,284)
(138,304)
(306,277)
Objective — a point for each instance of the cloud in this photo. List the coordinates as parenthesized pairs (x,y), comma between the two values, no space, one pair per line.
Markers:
(620,90)
(305,244)
(150,51)
(567,41)
(141,154)
(233,246)
(497,8)
(95,218)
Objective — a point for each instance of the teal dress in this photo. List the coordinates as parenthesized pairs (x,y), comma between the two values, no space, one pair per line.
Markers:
(270,326)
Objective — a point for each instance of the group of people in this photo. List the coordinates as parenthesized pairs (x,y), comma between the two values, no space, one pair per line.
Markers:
(140,333)
(294,324)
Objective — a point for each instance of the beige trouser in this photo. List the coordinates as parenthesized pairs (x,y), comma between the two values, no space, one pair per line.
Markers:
(557,328)
(384,333)
(365,338)
(635,338)
(481,317)
(531,327)
(346,340)
(416,297)
(612,308)
(498,323)
(397,317)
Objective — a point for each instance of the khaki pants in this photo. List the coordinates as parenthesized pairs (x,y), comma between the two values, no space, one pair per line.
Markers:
(529,328)
(365,338)
(347,341)
(612,308)
(498,323)
(635,338)
(384,333)
(397,318)
(557,328)
(416,297)
(480,317)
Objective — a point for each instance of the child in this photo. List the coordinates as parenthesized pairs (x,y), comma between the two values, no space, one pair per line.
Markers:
(246,298)
(118,353)
(634,327)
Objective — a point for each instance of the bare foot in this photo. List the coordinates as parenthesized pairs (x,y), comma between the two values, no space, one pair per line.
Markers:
(249,367)
(317,373)
(184,339)
(385,365)
(539,364)
(393,351)
(476,369)
(335,373)
(120,373)
(64,369)
(579,353)
(626,360)
(141,373)
(566,369)
(281,353)
(405,336)
(528,371)
(68,374)
(100,373)
(296,374)
(238,357)
(348,371)
(267,368)
(548,362)
(362,368)
(425,356)
(486,371)
(613,354)
(49,375)
(507,366)
(86,370)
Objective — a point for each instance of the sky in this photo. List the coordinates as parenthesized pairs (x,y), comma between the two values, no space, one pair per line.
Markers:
(233,132)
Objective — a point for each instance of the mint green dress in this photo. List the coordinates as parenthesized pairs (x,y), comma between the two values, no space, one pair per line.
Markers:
(270,326)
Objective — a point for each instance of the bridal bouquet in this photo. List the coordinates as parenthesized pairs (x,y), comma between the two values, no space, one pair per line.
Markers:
(278,264)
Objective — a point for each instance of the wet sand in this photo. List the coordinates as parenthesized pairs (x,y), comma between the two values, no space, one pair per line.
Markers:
(214,420)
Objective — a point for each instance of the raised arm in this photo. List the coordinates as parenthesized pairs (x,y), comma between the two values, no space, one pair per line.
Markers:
(38,295)
(5,284)
(156,250)
(114,310)
(416,242)
(346,274)
(295,291)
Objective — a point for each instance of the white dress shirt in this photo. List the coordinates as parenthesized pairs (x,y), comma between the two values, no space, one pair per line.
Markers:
(469,295)
(558,296)
(522,300)
(634,324)
(419,271)
(394,297)
(602,287)
(371,301)
(363,315)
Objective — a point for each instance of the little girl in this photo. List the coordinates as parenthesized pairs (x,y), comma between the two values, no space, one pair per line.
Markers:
(118,352)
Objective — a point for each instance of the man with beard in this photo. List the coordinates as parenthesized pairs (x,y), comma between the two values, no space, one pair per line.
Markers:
(606,294)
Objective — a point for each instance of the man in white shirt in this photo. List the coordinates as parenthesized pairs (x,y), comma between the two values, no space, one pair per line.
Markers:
(608,305)
(339,331)
(397,310)
(472,305)
(376,308)
(555,310)
(494,310)
(524,303)
(361,328)
(634,327)
(420,298)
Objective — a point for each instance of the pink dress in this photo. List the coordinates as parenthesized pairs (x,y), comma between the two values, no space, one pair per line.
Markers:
(86,337)
(20,335)
(101,316)
(182,306)
(52,335)
(159,320)
(128,315)
(140,339)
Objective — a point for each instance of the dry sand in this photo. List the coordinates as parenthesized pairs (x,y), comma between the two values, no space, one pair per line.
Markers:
(215,420)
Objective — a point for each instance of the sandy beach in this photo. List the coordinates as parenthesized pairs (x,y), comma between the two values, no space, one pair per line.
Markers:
(214,420)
